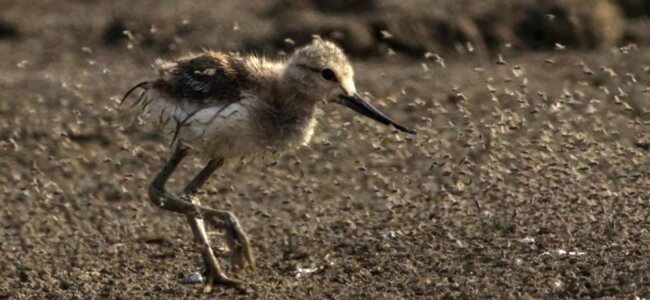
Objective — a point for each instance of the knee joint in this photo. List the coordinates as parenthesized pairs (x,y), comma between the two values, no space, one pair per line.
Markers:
(154,194)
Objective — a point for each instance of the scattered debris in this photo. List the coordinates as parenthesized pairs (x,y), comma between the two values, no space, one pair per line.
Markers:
(193,278)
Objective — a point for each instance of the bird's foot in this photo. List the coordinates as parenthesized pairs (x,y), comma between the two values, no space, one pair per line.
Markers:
(241,252)
(215,275)
(218,278)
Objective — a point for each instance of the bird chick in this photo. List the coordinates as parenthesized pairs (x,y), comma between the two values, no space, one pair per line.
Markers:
(228,106)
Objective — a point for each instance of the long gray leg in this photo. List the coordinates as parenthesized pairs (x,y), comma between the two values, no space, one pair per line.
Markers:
(237,239)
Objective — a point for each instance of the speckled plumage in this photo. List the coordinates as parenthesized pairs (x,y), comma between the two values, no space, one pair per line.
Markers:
(226,106)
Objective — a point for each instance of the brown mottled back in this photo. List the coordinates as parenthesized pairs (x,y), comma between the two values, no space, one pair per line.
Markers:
(211,76)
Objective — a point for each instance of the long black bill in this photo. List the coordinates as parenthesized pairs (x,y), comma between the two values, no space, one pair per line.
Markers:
(360,105)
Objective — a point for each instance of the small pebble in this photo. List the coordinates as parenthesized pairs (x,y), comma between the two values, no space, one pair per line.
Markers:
(193,278)
(24,196)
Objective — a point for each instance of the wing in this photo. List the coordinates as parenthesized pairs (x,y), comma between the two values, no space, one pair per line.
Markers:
(190,85)
(212,76)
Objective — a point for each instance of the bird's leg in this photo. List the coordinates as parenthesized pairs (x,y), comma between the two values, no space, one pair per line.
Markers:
(236,238)
(195,213)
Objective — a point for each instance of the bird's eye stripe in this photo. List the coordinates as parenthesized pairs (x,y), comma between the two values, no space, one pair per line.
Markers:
(309,68)
(327,73)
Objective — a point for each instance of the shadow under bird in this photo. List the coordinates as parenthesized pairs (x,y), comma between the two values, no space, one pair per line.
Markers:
(229,106)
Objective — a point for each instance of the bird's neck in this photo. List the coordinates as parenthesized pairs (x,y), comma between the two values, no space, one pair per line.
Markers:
(290,98)
(293,106)
(288,117)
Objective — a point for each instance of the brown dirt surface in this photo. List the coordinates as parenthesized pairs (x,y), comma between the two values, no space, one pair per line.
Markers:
(528,177)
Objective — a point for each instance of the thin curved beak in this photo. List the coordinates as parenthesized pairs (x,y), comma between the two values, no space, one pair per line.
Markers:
(362,106)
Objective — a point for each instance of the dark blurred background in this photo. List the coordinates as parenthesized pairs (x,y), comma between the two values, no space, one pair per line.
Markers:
(365,28)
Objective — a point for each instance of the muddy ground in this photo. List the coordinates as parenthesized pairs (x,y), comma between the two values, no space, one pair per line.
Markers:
(528,177)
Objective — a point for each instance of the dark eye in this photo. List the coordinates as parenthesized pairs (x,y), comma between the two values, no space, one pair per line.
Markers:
(328,74)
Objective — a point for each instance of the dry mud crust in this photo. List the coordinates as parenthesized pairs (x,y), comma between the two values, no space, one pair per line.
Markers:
(528,176)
